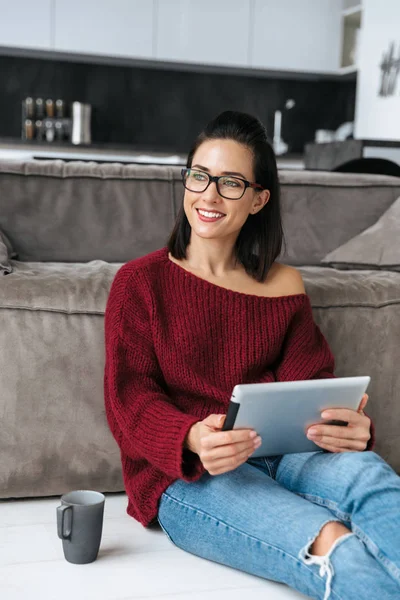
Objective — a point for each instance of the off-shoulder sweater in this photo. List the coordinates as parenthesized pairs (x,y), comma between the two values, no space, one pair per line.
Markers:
(175,347)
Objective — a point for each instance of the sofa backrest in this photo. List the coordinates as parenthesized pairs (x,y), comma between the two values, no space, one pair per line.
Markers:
(81,211)
(77,211)
(322,210)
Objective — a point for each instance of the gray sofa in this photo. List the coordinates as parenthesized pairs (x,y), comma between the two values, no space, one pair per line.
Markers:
(72,225)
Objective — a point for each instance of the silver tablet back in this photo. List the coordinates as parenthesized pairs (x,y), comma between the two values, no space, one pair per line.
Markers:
(281,412)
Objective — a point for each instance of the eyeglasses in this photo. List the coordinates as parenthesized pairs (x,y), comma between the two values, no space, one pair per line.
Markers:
(228,187)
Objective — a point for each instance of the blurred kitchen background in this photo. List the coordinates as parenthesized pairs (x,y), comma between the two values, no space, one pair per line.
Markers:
(136,81)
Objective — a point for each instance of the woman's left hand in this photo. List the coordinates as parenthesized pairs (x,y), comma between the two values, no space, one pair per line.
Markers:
(336,438)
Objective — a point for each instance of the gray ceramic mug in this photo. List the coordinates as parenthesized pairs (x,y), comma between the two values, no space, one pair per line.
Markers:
(80,525)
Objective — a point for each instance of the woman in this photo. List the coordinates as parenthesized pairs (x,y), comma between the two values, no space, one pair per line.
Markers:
(183,326)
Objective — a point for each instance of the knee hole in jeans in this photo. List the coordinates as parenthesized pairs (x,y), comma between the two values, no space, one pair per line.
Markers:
(329,533)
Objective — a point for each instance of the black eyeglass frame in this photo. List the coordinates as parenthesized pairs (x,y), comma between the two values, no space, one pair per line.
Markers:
(216,179)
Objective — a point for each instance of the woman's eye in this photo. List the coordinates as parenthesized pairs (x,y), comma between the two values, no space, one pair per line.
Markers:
(198,176)
(231,183)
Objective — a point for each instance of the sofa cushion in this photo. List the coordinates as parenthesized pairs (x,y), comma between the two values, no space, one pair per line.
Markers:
(359,314)
(55,435)
(378,247)
(81,211)
(80,288)
(322,210)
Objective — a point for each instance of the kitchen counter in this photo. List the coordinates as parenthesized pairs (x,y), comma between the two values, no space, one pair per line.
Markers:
(330,155)
(15,149)
(22,150)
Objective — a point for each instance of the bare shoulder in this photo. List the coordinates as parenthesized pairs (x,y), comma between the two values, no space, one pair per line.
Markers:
(287,279)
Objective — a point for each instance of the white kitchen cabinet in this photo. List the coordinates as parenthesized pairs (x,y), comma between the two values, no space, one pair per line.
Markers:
(284,35)
(112,28)
(296,35)
(212,32)
(24,24)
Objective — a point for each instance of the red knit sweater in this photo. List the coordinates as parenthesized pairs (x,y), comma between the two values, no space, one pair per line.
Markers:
(176,345)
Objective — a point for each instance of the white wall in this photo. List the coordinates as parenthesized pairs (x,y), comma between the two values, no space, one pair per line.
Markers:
(378,115)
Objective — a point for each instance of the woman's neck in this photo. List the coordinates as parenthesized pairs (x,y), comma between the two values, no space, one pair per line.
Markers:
(212,260)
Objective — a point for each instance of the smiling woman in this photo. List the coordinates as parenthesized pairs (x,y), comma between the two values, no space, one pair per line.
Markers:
(183,326)
(231,170)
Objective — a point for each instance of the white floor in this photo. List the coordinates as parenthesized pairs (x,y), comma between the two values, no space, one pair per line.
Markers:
(133,563)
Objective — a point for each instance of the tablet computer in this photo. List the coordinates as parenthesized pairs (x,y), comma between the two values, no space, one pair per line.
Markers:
(281,412)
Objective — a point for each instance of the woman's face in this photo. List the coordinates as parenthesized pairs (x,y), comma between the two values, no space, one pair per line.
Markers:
(222,157)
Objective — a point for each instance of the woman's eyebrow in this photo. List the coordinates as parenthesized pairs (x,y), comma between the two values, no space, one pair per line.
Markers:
(223,172)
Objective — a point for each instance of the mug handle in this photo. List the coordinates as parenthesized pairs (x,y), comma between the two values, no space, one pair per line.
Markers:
(60,522)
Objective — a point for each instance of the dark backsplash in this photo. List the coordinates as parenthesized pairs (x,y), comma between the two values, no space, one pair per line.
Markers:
(162,109)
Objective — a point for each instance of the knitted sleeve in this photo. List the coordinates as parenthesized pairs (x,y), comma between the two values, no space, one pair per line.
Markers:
(306,354)
(140,414)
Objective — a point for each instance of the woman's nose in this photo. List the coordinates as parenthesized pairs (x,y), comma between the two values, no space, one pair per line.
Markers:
(211,193)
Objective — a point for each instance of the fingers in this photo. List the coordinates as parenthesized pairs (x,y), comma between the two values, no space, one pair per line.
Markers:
(341,414)
(218,457)
(229,450)
(344,439)
(354,429)
(363,402)
(221,465)
(332,431)
(342,445)
(222,438)
(345,414)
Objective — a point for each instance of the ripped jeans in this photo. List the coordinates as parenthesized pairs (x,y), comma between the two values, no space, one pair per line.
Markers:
(263,517)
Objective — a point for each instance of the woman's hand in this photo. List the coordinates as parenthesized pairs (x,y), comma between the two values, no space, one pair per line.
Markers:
(336,438)
(221,451)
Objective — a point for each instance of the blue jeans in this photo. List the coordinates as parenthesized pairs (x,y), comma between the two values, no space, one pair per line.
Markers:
(263,517)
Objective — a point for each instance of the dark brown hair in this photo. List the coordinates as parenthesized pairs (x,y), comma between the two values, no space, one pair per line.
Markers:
(260,239)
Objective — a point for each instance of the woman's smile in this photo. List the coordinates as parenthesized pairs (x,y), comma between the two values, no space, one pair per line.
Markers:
(209,216)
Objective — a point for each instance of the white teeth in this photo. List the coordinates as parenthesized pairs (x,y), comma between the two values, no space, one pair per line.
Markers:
(209,214)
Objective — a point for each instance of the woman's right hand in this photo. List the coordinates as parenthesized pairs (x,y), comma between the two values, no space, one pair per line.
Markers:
(221,451)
